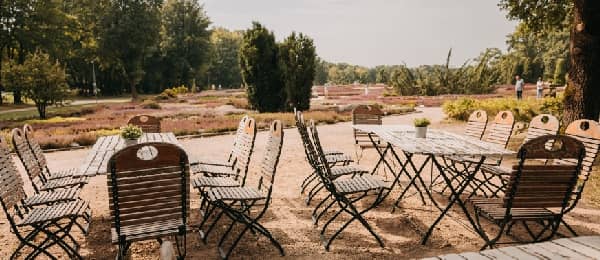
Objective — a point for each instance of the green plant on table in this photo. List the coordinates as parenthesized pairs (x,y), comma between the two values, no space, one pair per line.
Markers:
(421,122)
(131,132)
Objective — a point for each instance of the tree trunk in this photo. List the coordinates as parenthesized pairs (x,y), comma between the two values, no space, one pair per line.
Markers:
(41,110)
(582,96)
(17,97)
(134,94)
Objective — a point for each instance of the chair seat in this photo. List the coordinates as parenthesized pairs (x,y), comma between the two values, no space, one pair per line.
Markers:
(496,170)
(147,231)
(212,162)
(64,174)
(219,170)
(494,210)
(235,193)
(64,182)
(47,197)
(338,158)
(359,184)
(332,152)
(347,170)
(209,182)
(55,212)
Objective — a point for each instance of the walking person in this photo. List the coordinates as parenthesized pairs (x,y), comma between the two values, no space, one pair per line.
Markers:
(519,87)
(539,86)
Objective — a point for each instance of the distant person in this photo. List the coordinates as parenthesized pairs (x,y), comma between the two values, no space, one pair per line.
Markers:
(539,86)
(519,87)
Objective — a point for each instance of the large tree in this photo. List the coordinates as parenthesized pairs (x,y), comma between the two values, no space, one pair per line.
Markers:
(582,92)
(224,66)
(260,70)
(185,41)
(297,56)
(129,34)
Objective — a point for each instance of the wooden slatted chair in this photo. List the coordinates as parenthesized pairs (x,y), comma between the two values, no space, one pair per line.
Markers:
(537,193)
(38,176)
(242,153)
(149,197)
(338,161)
(41,158)
(336,169)
(347,193)
(494,176)
(231,158)
(41,227)
(238,203)
(499,133)
(476,124)
(365,115)
(149,124)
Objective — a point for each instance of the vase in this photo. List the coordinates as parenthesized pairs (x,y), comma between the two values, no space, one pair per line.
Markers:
(130,142)
(420,131)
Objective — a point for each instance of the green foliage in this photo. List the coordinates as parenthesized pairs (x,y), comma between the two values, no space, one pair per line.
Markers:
(131,132)
(523,110)
(539,15)
(321,70)
(260,71)
(297,56)
(421,122)
(560,72)
(38,79)
(185,41)
(224,67)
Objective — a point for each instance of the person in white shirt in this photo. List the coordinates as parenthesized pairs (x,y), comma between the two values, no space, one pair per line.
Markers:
(519,86)
(539,86)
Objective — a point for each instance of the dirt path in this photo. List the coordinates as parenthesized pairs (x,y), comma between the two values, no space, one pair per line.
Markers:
(289,218)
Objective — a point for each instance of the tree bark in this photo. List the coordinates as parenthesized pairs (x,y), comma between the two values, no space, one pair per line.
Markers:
(582,95)
(134,94)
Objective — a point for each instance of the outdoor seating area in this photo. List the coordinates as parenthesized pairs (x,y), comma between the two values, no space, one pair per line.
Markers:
(158,188)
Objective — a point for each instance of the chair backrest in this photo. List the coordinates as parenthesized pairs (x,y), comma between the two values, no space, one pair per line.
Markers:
(148,191)
(11,184)
(588,132)
(244,148)
(35,147)
(365,115)
(306,140)
(25,154)
(476,124)
(149,124)
(543,124)
(532,185)
(501,129)
(268,166)
(240,130)
(322,167)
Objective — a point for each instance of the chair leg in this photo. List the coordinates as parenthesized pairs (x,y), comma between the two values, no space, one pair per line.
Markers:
(568,227)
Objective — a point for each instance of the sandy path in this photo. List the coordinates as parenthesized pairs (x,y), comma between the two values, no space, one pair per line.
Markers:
(288,217)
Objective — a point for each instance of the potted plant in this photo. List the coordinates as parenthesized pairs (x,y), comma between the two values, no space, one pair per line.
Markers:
(421,127)
(131,133)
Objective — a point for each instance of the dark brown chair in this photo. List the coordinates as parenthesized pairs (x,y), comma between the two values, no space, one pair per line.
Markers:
(149,124)
(365,115)
(536,193)
(148,197)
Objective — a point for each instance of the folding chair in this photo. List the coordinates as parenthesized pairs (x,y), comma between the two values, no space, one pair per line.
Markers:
(365,115)
(242,153)
(34,146)
(334,157)
(39,177)
(543,124)
(42,227)
(347,193)
(231,158)
(337,171)
(148,197)
(149,124)
(239,203)
(476,124)
(536,193)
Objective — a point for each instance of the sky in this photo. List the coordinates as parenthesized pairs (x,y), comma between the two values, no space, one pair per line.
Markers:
(376,32)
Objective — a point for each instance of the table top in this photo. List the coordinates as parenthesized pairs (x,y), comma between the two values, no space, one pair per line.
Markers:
(437,142)
(97,159)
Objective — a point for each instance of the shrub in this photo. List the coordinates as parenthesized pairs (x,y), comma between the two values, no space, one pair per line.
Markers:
(459,109)
(131,132)
(523,111)
(150,104)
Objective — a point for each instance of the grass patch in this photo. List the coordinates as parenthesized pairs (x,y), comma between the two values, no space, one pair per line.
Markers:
(591,194)
(64,111)
(54,120)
